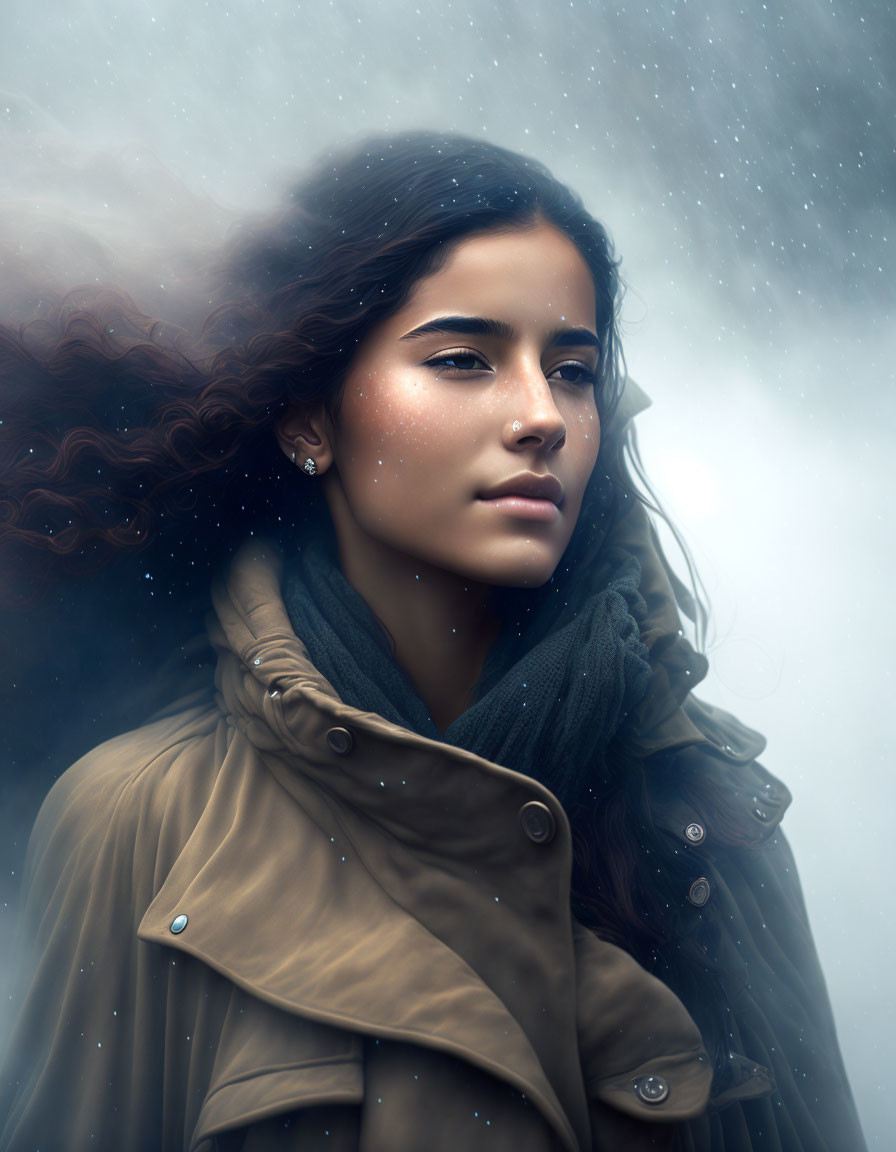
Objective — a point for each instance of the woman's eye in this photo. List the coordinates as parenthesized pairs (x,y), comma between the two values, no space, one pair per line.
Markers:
(461,361)
(573,372)
(578,373)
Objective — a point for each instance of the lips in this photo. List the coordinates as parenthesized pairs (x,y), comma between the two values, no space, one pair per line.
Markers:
(528,485)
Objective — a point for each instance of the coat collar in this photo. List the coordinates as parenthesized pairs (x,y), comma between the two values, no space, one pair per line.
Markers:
(349,921)
(343,922)
(632,401)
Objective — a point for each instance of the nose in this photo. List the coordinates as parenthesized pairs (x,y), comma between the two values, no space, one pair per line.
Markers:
(534,418)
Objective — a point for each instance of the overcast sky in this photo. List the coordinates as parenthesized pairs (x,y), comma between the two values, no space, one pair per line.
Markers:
(742,156)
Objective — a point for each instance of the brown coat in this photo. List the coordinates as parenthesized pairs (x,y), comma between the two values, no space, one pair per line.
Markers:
(375,956)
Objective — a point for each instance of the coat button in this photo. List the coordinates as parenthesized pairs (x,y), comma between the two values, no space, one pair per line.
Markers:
(651,1089)
(698,893)
(770,795)
(538,822)
(179,923)
(341,741)
(695,833)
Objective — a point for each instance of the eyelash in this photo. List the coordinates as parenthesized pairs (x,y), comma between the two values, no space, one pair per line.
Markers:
(587,378)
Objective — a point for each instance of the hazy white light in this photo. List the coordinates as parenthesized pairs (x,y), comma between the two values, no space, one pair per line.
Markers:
(685,484)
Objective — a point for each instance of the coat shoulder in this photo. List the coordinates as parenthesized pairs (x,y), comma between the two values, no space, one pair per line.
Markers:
(98,850)
(122,780)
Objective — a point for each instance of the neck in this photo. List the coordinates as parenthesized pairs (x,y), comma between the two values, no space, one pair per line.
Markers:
(441,625)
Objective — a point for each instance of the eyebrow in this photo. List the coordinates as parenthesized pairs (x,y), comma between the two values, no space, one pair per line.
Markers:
(480,326)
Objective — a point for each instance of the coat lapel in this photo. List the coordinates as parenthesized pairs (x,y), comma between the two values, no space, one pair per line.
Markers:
(277,900)
(306,879)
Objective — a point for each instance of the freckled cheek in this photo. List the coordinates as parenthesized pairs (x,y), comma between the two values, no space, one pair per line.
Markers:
(403,443)
(415,425)
(396,449)
(589,427)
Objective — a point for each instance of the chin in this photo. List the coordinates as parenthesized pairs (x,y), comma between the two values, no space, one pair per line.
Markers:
(516,571)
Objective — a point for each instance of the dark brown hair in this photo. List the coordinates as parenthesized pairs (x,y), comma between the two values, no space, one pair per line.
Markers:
(121,435)
(117,433)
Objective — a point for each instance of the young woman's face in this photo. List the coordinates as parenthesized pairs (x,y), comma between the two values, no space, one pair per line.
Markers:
(468,426)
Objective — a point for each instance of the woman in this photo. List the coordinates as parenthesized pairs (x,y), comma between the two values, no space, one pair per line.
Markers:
(437,850)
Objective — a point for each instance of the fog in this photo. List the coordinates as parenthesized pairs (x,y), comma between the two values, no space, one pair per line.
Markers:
(742,157)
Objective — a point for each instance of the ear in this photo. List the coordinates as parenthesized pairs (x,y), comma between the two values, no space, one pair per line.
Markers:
(305,433)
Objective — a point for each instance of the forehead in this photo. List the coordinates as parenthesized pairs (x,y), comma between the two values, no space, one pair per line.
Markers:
(533,275)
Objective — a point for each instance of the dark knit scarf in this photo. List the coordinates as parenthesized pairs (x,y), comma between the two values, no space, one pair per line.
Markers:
(556,686)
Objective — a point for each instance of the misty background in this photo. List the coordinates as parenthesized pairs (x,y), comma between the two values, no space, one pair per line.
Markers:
(742,156)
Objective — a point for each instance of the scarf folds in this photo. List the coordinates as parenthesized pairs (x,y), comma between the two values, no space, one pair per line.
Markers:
(548,709)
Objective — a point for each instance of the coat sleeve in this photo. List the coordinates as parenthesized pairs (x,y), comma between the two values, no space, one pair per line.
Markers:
(88,1058)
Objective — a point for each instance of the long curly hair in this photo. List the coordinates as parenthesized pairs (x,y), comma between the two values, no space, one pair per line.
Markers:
(122,435)
(116,426)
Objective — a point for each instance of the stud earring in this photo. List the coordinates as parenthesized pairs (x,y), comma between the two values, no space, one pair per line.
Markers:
(309,466)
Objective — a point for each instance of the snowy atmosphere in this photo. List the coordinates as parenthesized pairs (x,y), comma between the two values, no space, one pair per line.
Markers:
(743,159)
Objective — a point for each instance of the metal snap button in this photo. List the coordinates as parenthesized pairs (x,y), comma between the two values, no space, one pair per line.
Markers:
(651,1089)
(340,740)
(698,893)
(179,923)
(695,833)
(761,814)
(538,822)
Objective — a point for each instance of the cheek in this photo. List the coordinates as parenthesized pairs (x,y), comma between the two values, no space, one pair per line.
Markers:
(587,425)
(407,424)
(395,441)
